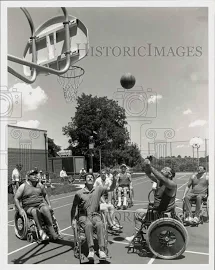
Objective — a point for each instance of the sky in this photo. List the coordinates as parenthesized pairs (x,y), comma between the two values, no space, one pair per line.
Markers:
(171,90)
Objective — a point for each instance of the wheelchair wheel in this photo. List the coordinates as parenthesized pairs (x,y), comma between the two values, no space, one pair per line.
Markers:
(77,243)
(105,233)
(55,224)
(167,238)
(21,225)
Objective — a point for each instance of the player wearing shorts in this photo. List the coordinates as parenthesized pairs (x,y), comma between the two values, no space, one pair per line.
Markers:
(106,206)
(34,200)
(124,184)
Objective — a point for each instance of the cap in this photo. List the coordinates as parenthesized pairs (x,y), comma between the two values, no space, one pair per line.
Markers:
(32,172)
(123,165)
(41,171)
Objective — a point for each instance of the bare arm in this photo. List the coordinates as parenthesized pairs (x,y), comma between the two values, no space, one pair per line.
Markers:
(189,184)
(18,197)
(167,182)
(152,177)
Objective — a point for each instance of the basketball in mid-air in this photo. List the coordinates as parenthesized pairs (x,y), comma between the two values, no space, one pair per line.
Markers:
(127,81)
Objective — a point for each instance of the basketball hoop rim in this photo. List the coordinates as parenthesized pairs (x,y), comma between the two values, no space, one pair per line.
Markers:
(75,76)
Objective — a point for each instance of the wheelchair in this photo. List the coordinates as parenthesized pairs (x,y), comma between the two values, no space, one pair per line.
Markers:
(166,236)
(129,201)
(204,214)
(80,239)
(26,228)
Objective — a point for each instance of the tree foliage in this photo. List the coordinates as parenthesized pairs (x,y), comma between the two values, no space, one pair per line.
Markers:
(53,148)
(105,120)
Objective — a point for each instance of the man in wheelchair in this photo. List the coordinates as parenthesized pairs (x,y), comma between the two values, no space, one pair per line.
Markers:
(164,196)
(106,204)
(199,188)
(30,198)
(124,185)
(87,201)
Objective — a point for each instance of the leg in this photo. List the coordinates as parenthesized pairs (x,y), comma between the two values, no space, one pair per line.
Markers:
(37,218)
(97,222)
(87,225)
(104,209)
(187,203)
(125,196)
(44,210)
(139,217)
(198,205)
(119,196)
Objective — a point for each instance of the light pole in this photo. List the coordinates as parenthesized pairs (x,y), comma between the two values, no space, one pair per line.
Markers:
(196,142)
(91,147)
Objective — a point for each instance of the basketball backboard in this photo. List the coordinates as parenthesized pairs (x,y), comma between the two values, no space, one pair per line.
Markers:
(50,44)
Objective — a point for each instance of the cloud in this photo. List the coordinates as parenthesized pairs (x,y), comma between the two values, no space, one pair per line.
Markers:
(188,111)
(180,146)
(32,98)
(179,128)
(198,123)
(29,124)
(154,98)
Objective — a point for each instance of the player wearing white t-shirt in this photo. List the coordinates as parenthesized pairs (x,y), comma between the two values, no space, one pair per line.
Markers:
(105,204)
(16,178)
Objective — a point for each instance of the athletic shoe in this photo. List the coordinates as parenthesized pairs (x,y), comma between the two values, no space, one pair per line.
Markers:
(91,255)
(196,220)
(102,255)
(43,235)
(189,220)
(130,238)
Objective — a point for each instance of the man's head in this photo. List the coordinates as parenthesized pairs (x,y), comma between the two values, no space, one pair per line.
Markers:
(168,172)
(123,168)
(103,175)
(36,169)
(20,167)
(82,169)
(108,170)
(63,169)
(89,180)
(201,169)
(41,172)
(32,177)
(17,166)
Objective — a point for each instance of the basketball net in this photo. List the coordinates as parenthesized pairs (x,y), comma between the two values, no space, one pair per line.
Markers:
(70,82)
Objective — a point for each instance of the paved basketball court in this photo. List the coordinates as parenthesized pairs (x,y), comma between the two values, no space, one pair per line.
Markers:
(22,252)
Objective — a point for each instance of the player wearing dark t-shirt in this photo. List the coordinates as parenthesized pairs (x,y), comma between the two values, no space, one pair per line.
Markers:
(87,201)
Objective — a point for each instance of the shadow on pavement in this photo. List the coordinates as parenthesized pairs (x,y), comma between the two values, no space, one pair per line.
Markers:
(39,250)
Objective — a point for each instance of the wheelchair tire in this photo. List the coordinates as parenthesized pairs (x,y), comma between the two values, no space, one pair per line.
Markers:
(105,233)
(21,225)
(167,238)
(55,224)
(77,244)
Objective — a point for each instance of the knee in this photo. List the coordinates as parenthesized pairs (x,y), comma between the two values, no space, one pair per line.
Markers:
(199,197)
(44,210)
(88,225)
(34,212)
(99,224)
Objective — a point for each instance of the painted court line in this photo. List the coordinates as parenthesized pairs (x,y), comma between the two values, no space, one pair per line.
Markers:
(151,260)
(12,252)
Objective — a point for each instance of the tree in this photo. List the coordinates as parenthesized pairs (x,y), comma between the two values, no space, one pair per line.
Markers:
(105,120)
(53,148)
